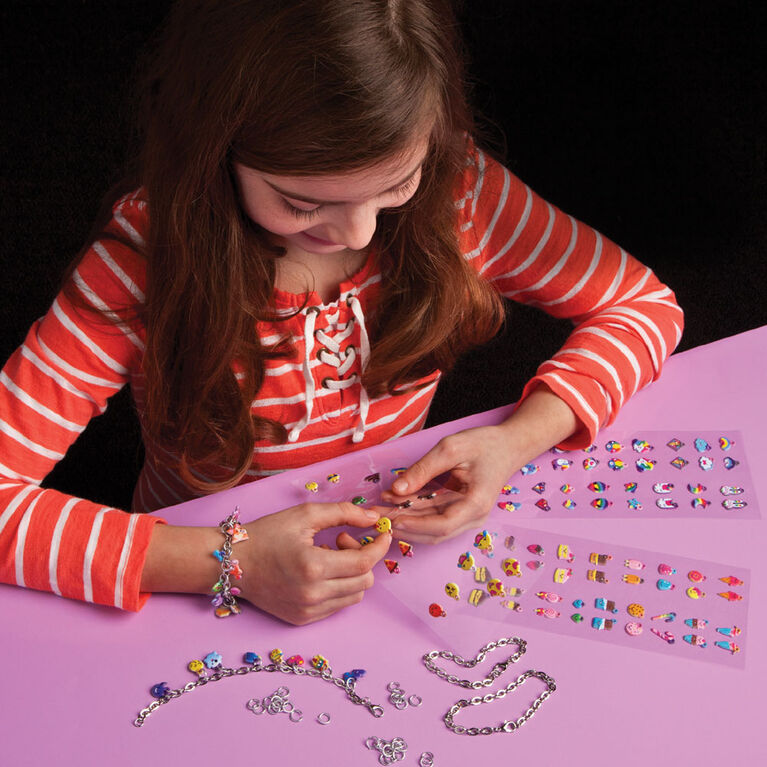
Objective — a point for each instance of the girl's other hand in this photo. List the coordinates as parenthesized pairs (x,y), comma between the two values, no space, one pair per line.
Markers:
(479,461)
(286,574)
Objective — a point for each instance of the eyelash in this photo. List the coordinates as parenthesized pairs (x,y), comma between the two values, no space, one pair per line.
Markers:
(309,214)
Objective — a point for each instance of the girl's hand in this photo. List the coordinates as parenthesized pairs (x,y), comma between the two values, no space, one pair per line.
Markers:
(478,460)
(287,575)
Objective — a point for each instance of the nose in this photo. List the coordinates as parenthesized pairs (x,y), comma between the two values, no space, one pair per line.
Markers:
(356,225)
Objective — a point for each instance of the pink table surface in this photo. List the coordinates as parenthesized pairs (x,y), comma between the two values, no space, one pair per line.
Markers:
(76,675)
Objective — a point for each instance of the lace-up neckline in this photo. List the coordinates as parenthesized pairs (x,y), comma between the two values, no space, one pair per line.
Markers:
(332,353)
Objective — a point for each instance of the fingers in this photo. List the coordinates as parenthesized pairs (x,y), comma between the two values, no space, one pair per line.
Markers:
(440,459)
(353,560)
(345,541)
(323,515)
(434,528)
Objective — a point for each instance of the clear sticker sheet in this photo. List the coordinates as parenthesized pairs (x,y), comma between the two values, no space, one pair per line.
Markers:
(644,475)
(651,474)
(577,587)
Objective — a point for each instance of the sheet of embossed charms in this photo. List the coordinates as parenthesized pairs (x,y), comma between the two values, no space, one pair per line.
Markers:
(645,474)
(578,587)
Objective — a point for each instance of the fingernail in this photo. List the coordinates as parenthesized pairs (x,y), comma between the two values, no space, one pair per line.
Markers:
(370,513)
(400,486)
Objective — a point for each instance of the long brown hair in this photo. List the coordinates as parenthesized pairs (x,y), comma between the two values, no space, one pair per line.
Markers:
(289,87)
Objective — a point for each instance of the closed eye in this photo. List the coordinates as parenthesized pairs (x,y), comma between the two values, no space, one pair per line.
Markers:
(401,191)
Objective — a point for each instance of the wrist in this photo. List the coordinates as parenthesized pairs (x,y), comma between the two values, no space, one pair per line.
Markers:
(539,422)
(180,559)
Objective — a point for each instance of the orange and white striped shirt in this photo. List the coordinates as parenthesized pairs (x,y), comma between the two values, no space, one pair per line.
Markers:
(626,325)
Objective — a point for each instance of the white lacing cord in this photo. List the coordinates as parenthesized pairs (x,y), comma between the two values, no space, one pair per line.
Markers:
(310,314)
(356,307)
(332,355)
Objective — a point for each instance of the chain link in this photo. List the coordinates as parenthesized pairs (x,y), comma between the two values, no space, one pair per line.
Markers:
(348,687)
(495,672)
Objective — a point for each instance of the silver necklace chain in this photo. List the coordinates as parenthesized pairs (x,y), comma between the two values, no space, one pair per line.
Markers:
(348,687)
(498,669)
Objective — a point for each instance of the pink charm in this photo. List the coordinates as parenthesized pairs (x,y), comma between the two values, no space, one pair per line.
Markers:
(666,636)
(547,612)
(634,564)
(535,564)
(696,577)
(549,596)
(666,569)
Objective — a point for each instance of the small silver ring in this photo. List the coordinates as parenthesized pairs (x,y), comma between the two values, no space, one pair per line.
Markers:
(426,759)
(393,686)
(415,700)
(372,743)
(296,715)
(323,718)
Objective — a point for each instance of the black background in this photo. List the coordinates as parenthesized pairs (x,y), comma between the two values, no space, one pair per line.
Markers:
(645,120)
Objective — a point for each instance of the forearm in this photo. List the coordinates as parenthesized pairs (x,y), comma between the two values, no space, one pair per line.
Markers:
(180,559)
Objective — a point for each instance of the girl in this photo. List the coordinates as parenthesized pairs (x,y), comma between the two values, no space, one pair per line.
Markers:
(308,238)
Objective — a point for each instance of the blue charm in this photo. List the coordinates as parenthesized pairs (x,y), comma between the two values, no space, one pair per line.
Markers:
(160,690)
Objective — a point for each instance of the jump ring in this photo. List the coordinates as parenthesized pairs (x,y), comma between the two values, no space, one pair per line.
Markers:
(323,718)
(415,700)
(296,715)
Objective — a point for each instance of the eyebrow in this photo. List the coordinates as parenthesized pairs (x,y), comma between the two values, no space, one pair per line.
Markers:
(313,201)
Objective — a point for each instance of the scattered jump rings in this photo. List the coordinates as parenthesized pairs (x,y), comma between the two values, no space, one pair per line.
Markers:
(323,718)
(426,759)
(388,751)
(399,699)
(276,703)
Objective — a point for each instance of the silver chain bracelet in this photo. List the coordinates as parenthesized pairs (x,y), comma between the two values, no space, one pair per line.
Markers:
(495,672)
(223,673)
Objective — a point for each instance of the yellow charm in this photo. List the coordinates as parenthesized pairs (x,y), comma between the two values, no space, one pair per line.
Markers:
(495,588)
(451,589)
(476,597)
(196,666)
(383,525)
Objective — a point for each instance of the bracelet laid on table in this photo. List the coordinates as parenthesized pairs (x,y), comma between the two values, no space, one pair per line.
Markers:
(224,600)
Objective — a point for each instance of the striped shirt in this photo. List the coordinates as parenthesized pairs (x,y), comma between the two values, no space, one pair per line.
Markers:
(626,323)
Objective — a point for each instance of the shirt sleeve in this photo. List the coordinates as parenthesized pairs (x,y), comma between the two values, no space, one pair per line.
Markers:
(626,322)
(63,374)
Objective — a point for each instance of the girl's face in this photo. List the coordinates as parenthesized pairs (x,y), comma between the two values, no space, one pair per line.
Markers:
(329,214)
